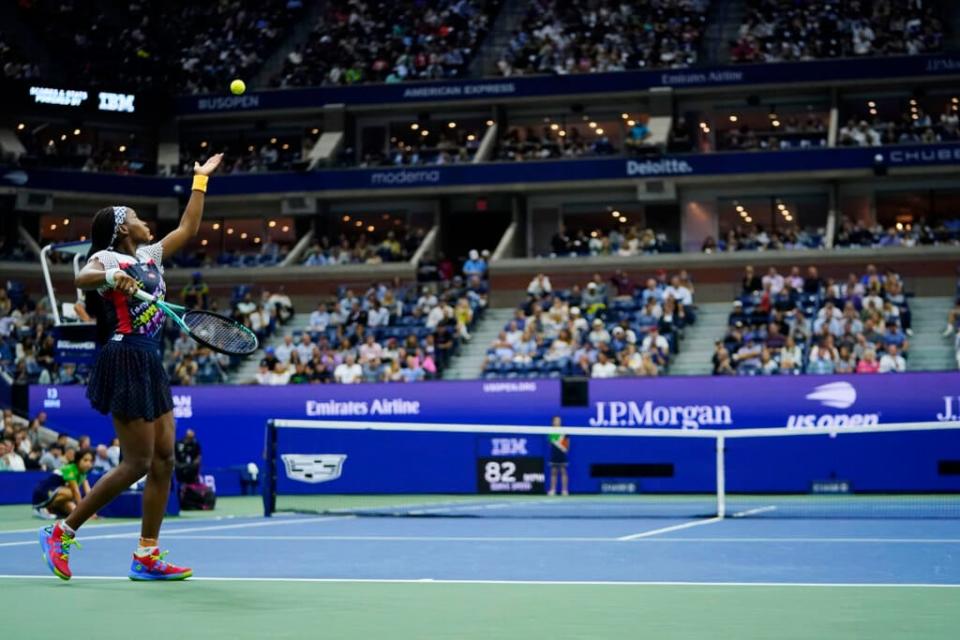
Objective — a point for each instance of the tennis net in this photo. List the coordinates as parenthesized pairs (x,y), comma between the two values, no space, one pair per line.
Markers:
(386,469)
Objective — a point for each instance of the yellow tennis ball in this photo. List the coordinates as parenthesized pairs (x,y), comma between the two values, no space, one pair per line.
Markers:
(237,87)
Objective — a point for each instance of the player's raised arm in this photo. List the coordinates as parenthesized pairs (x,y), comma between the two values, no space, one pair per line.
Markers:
(190,221)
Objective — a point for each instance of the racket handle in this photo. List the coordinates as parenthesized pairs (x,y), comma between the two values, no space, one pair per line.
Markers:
(143,295)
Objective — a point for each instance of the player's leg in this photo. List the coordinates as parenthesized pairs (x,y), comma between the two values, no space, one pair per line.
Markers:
(148,563)
(136,443)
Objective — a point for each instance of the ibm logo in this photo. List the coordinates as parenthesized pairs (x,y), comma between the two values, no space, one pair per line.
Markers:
(116,101)
(182,407)
(508,446)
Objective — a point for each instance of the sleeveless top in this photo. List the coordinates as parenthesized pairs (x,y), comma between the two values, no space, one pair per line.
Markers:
(126,315)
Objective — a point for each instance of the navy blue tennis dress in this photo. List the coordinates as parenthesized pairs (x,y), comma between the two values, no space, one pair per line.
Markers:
(128,380)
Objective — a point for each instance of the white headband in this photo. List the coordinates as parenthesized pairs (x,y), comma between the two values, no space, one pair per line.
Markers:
(119,217)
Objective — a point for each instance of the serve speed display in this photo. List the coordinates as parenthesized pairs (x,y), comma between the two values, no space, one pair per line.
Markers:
(510,475)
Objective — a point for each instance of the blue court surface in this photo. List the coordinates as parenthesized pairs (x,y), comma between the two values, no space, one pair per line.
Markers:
(881,569)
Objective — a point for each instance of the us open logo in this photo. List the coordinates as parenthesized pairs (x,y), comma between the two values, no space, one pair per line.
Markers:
(313,468)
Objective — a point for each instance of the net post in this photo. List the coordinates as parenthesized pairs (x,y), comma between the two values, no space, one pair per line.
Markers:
(270,466)
(721,478)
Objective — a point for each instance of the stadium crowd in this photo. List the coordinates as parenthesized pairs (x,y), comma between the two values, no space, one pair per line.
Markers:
(393,247)
(783,30)
(757,238)
(191,46)
(564,36)
(608,327)
(355,42)
(620,241)
(914,126)
(802,323)
(391,332)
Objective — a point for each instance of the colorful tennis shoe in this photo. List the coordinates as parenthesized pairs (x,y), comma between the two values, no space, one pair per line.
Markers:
(154,567)
(56,543)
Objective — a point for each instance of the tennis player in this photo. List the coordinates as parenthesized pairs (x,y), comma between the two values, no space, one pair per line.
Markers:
(128,380)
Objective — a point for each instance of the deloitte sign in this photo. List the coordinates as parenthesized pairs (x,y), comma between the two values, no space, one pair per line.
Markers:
(662,167)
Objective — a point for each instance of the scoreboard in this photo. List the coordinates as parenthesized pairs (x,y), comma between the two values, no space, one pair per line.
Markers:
(510,465)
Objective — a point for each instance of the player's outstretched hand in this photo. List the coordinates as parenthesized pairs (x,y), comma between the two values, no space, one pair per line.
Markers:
(209,166)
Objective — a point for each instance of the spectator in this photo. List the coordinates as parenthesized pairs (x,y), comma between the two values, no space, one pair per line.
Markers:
(603,367)
(188,455)
(892,361)
(102,462)
(474,265)
(348,371)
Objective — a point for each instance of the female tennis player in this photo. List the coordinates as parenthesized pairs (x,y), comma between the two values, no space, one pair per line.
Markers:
(128,380)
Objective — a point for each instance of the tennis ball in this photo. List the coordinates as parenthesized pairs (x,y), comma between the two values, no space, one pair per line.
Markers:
(237,87)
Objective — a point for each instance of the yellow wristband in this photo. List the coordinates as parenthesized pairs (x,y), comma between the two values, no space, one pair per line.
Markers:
(200,183)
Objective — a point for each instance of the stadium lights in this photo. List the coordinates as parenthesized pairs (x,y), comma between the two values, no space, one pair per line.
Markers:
(83,238)
(286,146)
(554,127)
(76,132)
(954,100)
(63,137)
(871,104)
(21,126)
(315,131)
(623,219)
(899,226)
(471,138)
(873,112)
(625,116)
(272,224)
(489,123)
(359,224)
(740,208)
(53,227)
(414,126)
(733,118)
(424,133)
(371,228)
(243,236)
(592,125)
(285,228)
(230,231)
(564,133)
(216,225)
(599,131)
(452,125)
(781,206)
(594,234)
(615,213)
(50,143)
(123,148)
(250,148)
(66,221)
(273,141)
(631,123)
(346,218)
(913,102)
(204,242)
(203,145)
(256,240)
(748,219)
(775,123)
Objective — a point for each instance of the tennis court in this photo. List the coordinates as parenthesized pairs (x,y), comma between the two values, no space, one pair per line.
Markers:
(344,575)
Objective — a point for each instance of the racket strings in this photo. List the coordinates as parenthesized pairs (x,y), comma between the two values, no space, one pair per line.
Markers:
(221,333)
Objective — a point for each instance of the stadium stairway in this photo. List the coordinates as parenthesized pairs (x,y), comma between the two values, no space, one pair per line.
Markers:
(696,350)
(929,350)
(723,25)
(507,21)
(469,363)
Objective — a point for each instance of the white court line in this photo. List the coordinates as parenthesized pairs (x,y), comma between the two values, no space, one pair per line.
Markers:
(588,583)
(750,512)
(169,532)
(136,523)
(345,538)
(676,527)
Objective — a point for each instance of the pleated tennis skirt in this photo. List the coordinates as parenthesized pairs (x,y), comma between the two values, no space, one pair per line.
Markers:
(128,380)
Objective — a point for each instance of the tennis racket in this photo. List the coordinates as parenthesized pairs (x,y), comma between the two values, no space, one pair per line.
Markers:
(220,333)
